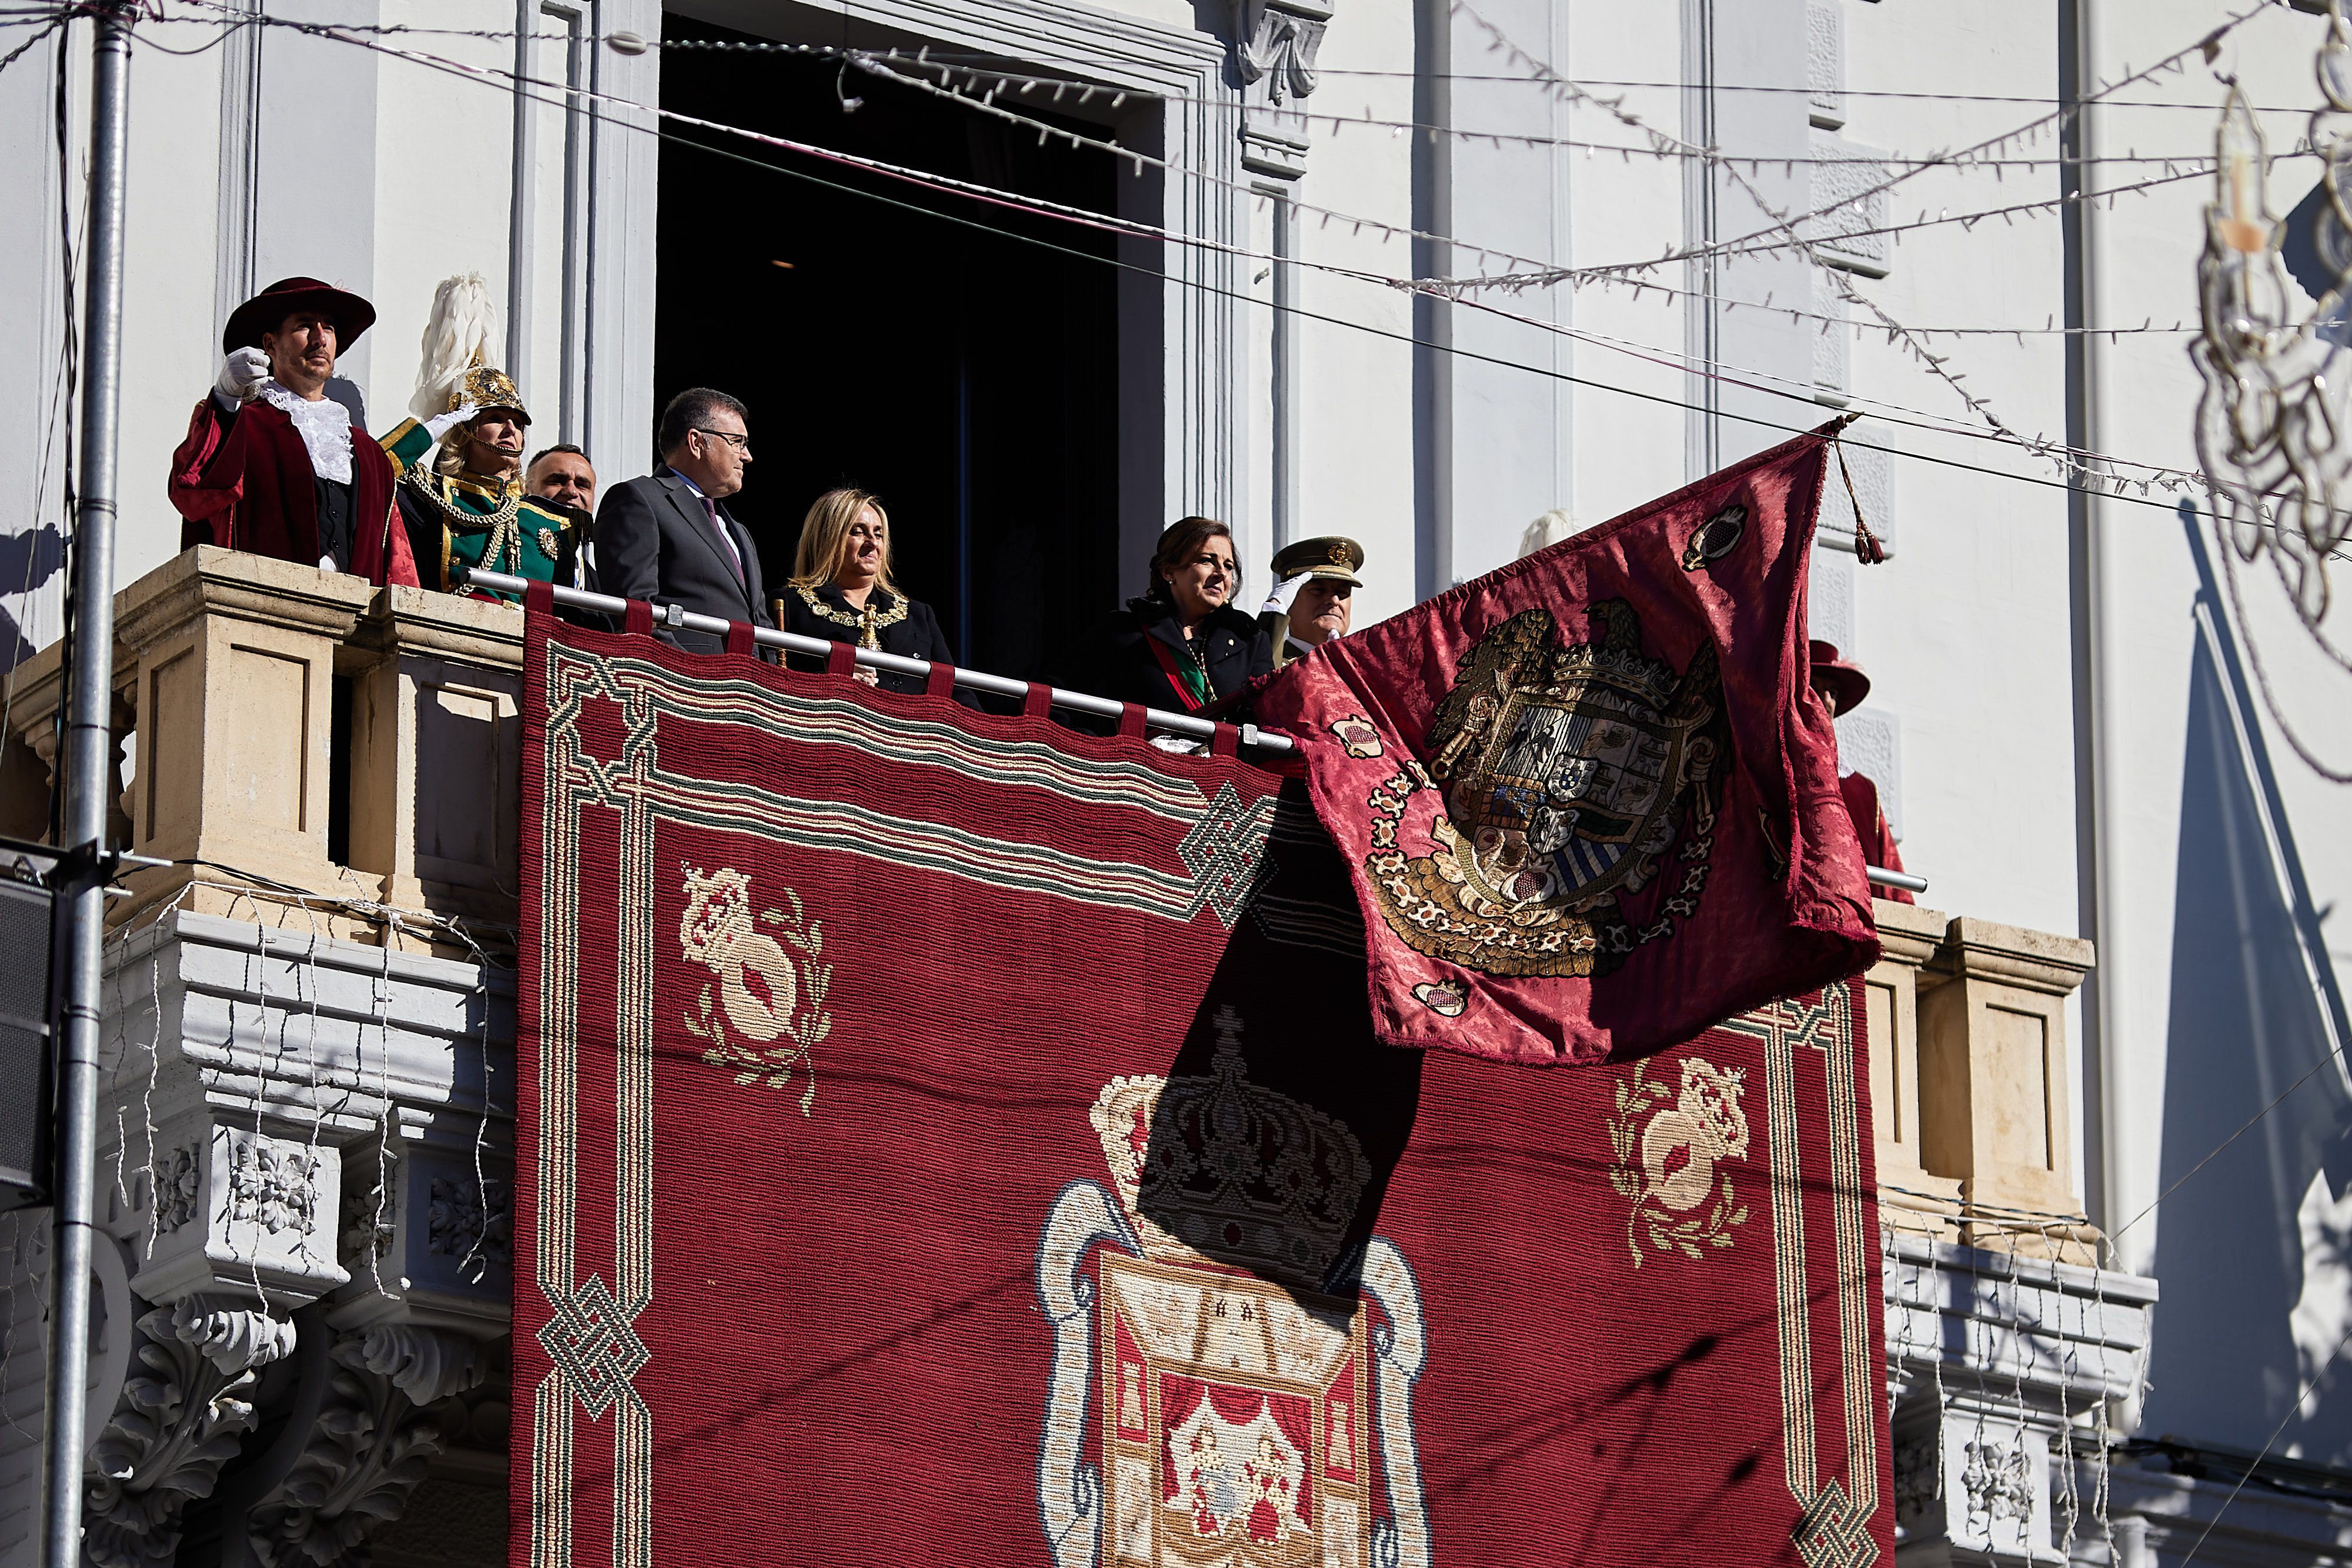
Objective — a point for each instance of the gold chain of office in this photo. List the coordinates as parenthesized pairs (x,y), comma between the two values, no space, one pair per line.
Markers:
(865,622)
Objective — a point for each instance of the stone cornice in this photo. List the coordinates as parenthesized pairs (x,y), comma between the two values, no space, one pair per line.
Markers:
(2013,955)
(1908,932)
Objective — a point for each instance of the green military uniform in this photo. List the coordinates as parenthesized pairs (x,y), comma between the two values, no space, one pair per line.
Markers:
(1330,556)
(461,519)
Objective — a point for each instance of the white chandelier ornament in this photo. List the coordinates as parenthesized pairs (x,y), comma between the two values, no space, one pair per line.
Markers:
(2274,424)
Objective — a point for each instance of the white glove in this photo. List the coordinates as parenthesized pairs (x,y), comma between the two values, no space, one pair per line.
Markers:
(241,375)
(440,424)
(1285,594)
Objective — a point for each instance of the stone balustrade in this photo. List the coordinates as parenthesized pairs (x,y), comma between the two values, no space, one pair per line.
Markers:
(1970,1082)
(300,740)
(308,1099)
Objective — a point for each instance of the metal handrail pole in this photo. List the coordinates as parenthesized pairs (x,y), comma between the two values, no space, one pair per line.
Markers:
(892,663)
(1000,685)
(88,778)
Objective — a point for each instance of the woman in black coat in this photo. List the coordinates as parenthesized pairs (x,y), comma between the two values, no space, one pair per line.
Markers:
(1183,647)
(841,590)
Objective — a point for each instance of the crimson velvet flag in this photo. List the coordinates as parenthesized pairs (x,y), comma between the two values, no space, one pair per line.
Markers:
(1590,802)
(946,1139)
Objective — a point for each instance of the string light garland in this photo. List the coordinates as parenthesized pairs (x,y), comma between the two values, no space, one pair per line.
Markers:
(2075,469)
(1734,250)
(2118,484)
(1787,225)
(2170,479)
(2121,488)
(1290,115)
(897,66)
(1545,276)
(2171,163)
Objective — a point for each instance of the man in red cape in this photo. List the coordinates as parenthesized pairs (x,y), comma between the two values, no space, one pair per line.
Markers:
(1842,683)
(274,464)
(1590,802)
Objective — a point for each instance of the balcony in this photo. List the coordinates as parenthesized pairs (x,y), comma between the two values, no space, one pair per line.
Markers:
(308,1026)
(346,755)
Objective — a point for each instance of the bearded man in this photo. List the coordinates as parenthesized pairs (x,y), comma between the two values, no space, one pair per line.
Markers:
(271,463)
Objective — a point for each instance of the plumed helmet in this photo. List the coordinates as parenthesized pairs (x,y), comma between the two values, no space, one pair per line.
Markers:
(459,336)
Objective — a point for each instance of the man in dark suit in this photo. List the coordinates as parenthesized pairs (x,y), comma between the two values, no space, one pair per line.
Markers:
(667,539)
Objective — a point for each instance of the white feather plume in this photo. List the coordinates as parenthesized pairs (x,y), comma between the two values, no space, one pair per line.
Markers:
(459,334)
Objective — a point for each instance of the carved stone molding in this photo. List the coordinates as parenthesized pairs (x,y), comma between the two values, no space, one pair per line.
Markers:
(180,1419)
(1275,44)
(467,1222)
(368,1449)
(1993,1359)
(179,1188)
(444,1240)
(425,1364)
(370,1212)
(237,1211)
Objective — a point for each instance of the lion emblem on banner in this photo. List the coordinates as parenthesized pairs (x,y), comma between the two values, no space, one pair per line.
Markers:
(1564,775)
(1253,1393)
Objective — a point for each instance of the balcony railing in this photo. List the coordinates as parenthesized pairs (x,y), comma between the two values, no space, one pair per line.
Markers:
(300,742)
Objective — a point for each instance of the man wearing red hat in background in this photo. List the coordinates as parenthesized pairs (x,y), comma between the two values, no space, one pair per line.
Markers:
(1843,686)
(272,464)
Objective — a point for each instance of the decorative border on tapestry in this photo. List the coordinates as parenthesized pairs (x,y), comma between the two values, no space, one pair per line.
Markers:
(590,1336)
(1834,1530)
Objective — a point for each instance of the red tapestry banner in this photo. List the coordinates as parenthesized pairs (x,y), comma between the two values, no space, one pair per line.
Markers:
(951,1139)
(1588,801)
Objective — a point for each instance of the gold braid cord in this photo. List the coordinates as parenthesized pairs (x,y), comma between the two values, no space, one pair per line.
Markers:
(503,552)
(866,623)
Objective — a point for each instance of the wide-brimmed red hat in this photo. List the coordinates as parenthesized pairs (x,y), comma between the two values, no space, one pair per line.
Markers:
(1846,683)
(267,310)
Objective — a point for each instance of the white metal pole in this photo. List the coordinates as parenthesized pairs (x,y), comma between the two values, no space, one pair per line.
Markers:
(88,779)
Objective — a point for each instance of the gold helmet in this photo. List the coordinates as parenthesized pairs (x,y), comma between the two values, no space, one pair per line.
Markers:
(486,387)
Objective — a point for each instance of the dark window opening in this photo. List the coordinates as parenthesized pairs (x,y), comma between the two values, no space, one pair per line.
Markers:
(967,377)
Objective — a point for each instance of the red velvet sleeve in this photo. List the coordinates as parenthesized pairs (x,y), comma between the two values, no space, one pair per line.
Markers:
(400,565)
(205,489)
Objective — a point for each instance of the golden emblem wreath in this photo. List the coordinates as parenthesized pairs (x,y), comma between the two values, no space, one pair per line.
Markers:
(787,1004)
(1669,1151)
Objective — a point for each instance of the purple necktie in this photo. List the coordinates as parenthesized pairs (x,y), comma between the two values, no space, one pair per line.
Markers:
(710,510)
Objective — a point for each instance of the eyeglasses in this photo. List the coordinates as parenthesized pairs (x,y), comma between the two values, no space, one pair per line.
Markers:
(741,443)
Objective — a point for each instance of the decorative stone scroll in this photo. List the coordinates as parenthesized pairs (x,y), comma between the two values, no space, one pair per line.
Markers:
(1275,44)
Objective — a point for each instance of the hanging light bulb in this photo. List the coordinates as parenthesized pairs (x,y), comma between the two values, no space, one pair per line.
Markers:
(2242,167)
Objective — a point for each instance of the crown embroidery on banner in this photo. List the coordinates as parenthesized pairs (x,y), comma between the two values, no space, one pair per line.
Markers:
(1223,1169)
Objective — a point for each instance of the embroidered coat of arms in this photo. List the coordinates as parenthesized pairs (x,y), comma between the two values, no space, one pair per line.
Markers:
(1568,773)
(1588,801)
(1253,1390)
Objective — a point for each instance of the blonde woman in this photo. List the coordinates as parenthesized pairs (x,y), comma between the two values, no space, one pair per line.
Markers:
(841,589)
